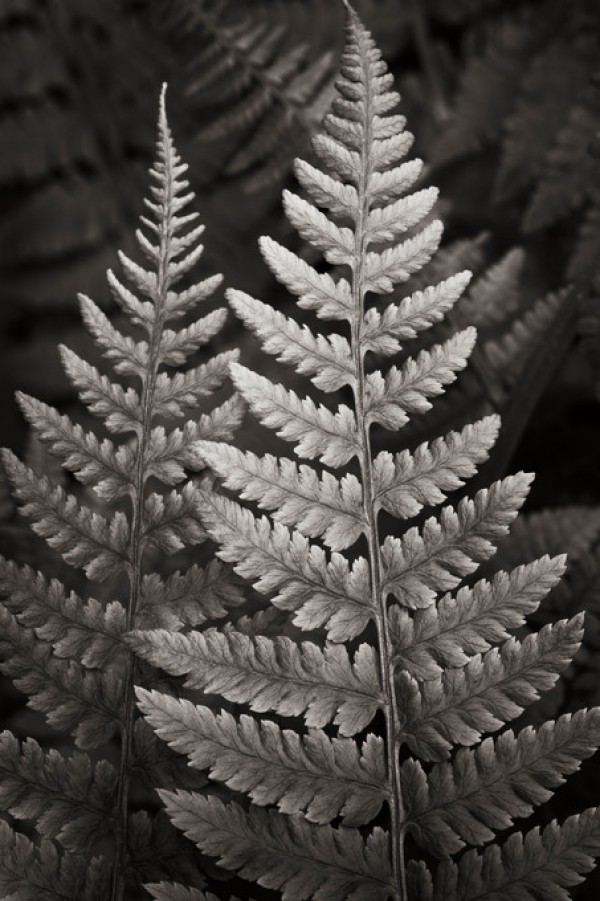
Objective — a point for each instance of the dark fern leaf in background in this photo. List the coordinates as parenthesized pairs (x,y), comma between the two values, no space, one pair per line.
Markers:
(66,650)
(382,622)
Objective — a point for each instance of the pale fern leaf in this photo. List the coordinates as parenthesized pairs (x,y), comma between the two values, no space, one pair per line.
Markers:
(176,346)
(119,407)
(315,506)
(405,483)
(490,690)
(316,431)
(173,394)
(273,674)
(90,459)
(392,397)
(536,864)
(336,243)
(386,269)
(327,191)
(384,330)
(457,627)
(322,777)
(316,290)
(129,357)
(447,548)
(482,791)
(287,853)
(327,361)
(322,592)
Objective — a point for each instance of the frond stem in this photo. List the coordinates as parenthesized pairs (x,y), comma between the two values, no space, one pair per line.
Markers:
(370,512)
(136,548)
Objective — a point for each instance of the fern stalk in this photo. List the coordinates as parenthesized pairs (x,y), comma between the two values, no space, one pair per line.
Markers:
(137,494)
(366,467)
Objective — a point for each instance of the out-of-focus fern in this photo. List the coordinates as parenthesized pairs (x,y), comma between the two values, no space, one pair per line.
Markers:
(526,89)
(436,660)
(66,651)
(250,81)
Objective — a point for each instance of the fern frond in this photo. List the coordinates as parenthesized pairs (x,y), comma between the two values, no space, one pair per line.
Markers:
(436,673)
(65,650)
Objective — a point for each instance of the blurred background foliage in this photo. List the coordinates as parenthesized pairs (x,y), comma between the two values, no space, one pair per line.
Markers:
(504,99)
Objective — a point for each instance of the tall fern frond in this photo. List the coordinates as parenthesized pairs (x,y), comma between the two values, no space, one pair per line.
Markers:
(399,626)
(67,651)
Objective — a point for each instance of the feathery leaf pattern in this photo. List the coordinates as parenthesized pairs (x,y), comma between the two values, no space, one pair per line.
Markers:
(68,652)
(443,669)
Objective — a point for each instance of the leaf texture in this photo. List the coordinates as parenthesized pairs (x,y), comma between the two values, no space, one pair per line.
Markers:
(324,685)
(286,853)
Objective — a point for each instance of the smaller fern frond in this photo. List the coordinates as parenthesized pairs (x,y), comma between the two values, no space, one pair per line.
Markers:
(66,649)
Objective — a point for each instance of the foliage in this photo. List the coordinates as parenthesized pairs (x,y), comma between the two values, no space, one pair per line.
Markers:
(397,635)
(66,651)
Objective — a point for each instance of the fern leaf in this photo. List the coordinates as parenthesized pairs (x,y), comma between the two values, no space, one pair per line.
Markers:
(492,689)
(436,559)
(314,774)
(327,360)
(316,430)
(85,631)
(70,799)
(540,863)
(90,460)
(120,408)
(302,860)
(484,790)
(187,599)
(83,537)
(405,483)
(457,627)
(401,391)
(384,330)
(31,873)
(321,592)
(315,290)
(324,506)
(273,674)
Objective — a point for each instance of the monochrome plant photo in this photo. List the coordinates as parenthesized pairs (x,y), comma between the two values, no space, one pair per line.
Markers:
(284,612)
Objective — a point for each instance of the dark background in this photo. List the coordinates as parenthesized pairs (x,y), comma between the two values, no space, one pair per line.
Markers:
(503,101)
